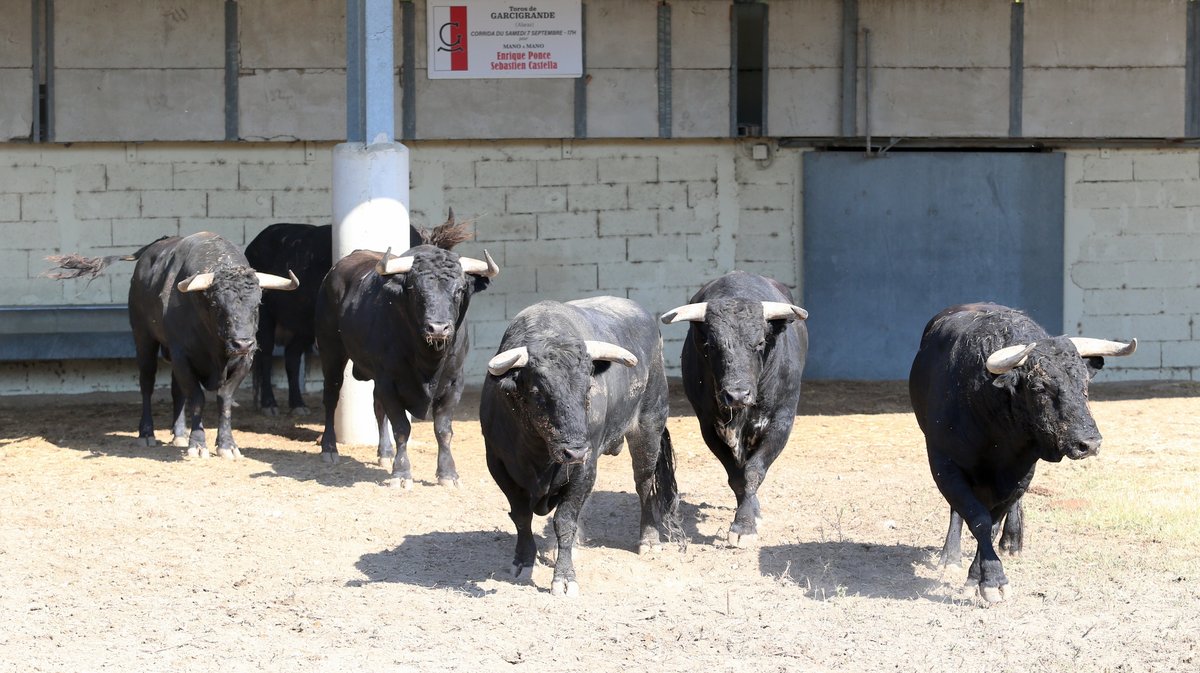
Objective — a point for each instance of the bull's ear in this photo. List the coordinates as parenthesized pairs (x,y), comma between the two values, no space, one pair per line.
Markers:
(481,283)
(600,366)
(777,327)
(1094,365)
(1007,381)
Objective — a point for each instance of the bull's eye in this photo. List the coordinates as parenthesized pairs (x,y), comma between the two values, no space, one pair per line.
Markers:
(760,345)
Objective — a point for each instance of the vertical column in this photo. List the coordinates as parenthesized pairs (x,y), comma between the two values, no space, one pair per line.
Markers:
(1192,72)
(664,70)
(370,177)
(849,67)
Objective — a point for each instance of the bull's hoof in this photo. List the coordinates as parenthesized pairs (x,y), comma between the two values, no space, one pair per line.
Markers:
(182,442)
(146,441)
(992,594)
(386,462)
(400,483)
(300,411)
(564,588)
(270,411)
(649,548)
(329,457)
(522,572)
(231,453)
(198,452)
(449,482)
(741,540)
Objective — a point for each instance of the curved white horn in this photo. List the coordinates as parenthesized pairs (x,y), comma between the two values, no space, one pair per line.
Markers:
(506,360)
(1008,358)
(200,281)
(389,264)
(272,282)
(476,267)
(1089,347)
(603,350)
(689,312)
(776,310)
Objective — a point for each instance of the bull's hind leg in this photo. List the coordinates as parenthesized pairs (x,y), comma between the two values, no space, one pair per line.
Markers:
(333,368)
(147,363)
(654,478)
(385,453)
(401,429)
(191,416)
(264,395)
(293,354)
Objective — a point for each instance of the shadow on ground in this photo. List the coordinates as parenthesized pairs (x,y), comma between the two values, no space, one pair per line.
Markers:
(835,569)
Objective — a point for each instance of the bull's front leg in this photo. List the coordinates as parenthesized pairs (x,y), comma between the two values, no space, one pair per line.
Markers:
(986,572)
(521,513)
(566,527)
(147,363)
(226,447)
(447,474)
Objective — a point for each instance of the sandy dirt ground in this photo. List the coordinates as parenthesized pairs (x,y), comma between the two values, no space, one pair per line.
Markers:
(116,558)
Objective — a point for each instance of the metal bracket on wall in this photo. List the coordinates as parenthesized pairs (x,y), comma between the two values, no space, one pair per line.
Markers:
(408,72)
(1192,72)
(1016,68)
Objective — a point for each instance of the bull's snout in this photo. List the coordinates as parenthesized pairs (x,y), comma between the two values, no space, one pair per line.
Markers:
(575,455)
(1083,448)
(438,333)
(737,398)
(240,346)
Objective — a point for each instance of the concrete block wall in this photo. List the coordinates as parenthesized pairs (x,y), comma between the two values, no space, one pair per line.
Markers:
(936,68)
(16,70)
(564,219)
(1092,65)
(1132,252)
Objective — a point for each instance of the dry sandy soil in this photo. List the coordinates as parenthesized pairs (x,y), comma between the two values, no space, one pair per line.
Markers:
(135,559)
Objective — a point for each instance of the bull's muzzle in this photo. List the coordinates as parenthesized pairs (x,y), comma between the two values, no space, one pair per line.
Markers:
(438,335)
(240,347)
(1083,448)
(574,455)
(736,398)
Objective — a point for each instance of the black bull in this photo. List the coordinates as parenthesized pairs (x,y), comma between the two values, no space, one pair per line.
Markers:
(194,299)
(742,361)
(993,393)
(402,321)
(571,382)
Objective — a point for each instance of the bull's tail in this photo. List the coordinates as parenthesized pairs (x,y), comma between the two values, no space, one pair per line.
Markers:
(75,266)
(664,495)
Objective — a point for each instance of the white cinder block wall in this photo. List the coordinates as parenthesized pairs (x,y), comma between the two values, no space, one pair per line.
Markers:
(565,219)
(651,221)
(1133,257)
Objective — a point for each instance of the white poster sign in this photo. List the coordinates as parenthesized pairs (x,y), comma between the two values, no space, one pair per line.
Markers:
(490,39)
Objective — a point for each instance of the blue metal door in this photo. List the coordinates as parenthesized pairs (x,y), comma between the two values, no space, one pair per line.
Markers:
(891,240)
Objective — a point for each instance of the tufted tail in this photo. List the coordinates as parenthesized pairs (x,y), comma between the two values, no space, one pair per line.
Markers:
(664,494)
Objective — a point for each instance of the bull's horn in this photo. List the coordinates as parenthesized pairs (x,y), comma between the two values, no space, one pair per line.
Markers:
(689,312)
(389,265)
(776,310)
(1089,348)
(269,281)
(603,350)
(196,283)
(474,266)
(1008,358)
(506,360)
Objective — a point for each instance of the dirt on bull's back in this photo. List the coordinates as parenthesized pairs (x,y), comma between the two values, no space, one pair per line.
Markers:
(115,557)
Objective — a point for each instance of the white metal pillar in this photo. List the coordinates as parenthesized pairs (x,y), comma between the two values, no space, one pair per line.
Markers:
(370,181)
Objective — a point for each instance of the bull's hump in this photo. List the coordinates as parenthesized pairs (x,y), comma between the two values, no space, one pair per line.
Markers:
(618,306)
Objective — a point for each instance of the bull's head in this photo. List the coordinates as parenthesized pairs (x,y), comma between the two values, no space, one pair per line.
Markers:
(733,337)
(233,293)
(1048,384)
(548,384)
(436,286)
